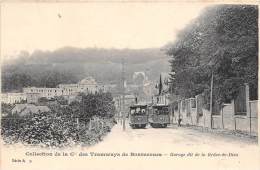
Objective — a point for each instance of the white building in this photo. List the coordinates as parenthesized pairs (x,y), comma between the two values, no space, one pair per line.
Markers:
(44,92)
(87,85)
(12,98)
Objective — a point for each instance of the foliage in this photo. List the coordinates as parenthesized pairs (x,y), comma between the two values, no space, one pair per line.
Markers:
(70,65)
(43,100)
(6,108)
(15,77)
(61,100)
(223,40)
(99,104)
(59,127)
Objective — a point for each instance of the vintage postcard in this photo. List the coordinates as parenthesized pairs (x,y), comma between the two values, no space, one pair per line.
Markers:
(129,85)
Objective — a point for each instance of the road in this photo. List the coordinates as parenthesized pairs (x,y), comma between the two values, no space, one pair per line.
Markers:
(171,142)
(243,153)
(162,139)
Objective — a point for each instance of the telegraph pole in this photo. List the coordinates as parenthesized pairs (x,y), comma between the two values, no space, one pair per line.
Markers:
(123,92)
(119,109)
(211,101)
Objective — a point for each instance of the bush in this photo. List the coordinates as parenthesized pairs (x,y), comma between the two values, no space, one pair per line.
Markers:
(59,127)
(46,130)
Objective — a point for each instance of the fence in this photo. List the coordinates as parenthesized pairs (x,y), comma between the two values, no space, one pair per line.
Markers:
(239,115)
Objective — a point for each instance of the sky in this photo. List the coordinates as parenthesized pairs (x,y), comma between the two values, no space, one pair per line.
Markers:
(49,26)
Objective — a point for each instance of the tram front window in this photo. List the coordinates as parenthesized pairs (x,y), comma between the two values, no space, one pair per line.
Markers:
(132,111)
(164,111)
(156,111)
(138,110)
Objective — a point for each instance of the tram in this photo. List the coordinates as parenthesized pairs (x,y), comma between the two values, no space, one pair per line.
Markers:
(138,116)
(159,115)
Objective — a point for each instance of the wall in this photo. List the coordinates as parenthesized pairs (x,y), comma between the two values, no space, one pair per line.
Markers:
(226,120)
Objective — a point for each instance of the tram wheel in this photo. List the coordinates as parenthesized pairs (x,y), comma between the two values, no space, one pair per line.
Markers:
(143,125)
(164,125)
(155,125)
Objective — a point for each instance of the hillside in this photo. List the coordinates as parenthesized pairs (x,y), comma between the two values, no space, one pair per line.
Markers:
(69,65)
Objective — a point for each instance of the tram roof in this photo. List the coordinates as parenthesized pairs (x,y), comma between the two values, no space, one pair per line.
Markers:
(160,105)
(138,105)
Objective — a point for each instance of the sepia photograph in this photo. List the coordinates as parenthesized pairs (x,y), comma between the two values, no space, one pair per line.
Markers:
(129,85)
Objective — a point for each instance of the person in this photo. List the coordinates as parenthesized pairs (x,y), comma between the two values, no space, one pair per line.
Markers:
(114,121)
(179,120)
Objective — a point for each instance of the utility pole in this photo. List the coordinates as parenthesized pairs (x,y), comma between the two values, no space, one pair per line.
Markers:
(171,100)
(123,92)
(118,109)
(211,101)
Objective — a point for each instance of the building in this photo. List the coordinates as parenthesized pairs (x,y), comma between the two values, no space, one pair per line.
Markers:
(161,99)
(87,85)
(162,95)
(32,94)
(12,98)
(32,97)
(107,87)
(43,92)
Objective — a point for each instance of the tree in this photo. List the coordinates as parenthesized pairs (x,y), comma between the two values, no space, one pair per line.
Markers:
(223,40)
(160,86)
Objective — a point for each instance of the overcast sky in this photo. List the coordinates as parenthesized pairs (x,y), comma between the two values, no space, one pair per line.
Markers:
(48,26)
